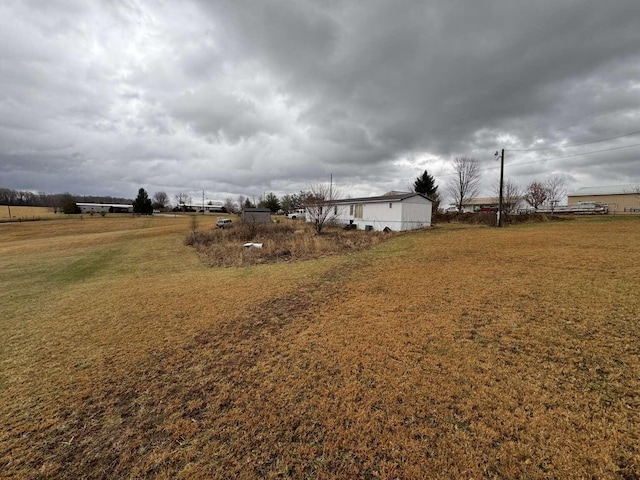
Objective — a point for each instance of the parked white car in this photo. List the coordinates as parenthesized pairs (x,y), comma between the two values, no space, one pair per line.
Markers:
(224,223)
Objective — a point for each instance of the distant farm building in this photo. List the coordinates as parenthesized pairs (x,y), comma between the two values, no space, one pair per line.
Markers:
(489,204)
(619,198)
(256,215)
(208,207)
(104,208)
(394,211)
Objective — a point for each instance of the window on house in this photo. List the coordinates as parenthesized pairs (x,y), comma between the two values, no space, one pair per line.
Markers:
(351,210)
(358,211)
(335,210)
(390,205)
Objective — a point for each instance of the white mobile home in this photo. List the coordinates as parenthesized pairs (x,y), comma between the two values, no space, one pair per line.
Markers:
(397,212)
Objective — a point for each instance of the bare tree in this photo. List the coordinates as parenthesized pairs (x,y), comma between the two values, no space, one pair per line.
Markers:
(556,190)
(160,200)
(229,205)
(320,205)
(181,199)
(466,181)
(511,196)
(535,194)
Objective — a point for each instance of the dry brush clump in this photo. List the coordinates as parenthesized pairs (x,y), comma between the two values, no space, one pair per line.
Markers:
(280,242)
(490,218)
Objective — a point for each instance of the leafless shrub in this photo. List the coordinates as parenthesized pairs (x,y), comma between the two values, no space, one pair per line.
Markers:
(556,190)
(280,242)
(248,230)
(320,205)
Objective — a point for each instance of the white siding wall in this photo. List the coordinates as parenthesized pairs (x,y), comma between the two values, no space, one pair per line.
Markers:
(93,208)
(343,215)
(416,213)
(409,214)
(103,207)
(379,216)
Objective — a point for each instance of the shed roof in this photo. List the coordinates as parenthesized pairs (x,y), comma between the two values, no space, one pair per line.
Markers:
(609,190)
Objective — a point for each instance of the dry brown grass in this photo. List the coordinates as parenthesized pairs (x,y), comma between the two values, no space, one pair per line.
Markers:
(460,352)
(286,241)
(27,213)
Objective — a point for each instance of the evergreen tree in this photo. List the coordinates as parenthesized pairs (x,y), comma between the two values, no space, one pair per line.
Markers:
(426,185)
(271,202)
(142,203)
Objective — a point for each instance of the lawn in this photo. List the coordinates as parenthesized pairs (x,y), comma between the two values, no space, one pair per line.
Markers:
(455,352)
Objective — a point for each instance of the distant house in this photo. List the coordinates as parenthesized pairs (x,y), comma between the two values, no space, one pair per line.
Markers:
(480,204)
(256,215)
(491,204)
(618,198)
(394,211)
(104,208)
(211,207)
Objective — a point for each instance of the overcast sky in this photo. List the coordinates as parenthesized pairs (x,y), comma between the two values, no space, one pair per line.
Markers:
(245,97)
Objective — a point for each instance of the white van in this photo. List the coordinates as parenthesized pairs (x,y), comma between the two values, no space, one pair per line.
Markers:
(224,223)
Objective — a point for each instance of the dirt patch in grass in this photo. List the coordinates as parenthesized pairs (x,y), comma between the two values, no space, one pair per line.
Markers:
(279,242)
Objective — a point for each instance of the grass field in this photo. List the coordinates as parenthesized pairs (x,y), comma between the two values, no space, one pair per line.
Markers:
(456,352)
(27,213)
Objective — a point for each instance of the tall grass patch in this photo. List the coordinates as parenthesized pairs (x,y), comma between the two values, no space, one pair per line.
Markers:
(278,242)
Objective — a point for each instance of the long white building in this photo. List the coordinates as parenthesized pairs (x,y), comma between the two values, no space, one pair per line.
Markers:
(105,208)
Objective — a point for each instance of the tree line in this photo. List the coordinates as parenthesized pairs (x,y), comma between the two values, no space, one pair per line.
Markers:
(465,185)
(54,201)
(462,187)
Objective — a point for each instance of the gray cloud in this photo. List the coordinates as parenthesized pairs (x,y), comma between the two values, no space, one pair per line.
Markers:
(236,97)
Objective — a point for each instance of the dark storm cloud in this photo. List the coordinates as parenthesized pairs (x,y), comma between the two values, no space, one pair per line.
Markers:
(246,97)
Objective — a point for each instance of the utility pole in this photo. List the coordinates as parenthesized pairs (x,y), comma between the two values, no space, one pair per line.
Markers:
(331,186)
(203,201)
(501,183)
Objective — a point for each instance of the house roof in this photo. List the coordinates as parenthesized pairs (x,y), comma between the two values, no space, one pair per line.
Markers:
(610,190)
(397,197)
(481,201)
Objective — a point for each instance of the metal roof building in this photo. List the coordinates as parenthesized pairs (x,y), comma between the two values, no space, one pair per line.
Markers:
(619,198)
(256,215)
(104,207)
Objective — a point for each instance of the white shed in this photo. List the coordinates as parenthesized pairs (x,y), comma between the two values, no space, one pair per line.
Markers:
(397,212)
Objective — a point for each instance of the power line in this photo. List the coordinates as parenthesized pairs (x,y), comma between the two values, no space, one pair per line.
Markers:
(572,145)
(579,154)
(552,158)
